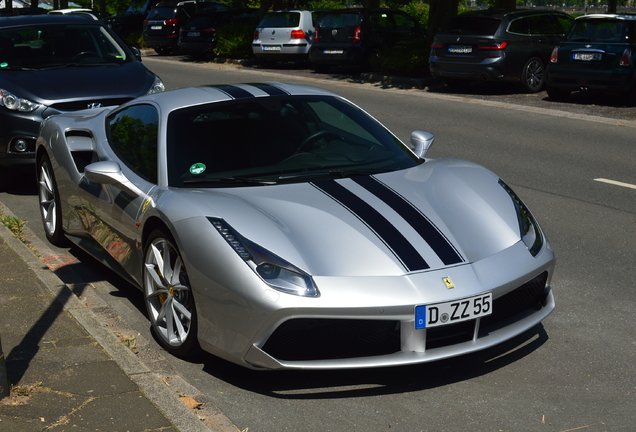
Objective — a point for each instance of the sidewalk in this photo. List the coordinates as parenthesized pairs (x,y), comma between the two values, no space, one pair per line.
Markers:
(70,372)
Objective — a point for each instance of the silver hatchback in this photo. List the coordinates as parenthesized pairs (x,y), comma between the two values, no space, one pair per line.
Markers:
(284,35)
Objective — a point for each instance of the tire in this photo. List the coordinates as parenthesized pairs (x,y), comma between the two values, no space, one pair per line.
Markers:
(557,94)
(49,199)
(532,76)
(168,296)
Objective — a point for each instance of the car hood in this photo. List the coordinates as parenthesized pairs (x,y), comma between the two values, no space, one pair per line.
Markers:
(68,84)
(443,213)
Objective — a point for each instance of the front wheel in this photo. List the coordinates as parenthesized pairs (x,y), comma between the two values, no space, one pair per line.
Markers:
(50,208)
(532,76)
(169,298)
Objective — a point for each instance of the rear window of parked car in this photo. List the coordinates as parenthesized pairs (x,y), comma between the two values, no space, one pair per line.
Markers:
(340,20)
(280,20)
(598,30)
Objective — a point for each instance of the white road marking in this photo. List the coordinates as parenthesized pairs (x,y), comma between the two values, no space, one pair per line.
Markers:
(616,183)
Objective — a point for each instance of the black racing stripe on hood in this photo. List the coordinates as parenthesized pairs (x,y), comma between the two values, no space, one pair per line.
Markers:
(232,91)
(411,214)
(270,89)
(390,236)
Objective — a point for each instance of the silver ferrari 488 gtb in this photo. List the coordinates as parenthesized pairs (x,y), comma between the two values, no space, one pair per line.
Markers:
(280,226)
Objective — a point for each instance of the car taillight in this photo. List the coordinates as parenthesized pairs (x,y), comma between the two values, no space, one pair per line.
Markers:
(357,35)
(209,30)
(626,60)
(297,34)
(145,22)
(434,45)
(495,46)
(255,34)
(173,21)
(316,34)
(555,55)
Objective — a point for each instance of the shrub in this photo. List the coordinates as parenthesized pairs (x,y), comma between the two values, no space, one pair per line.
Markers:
(409,59)
(235,40)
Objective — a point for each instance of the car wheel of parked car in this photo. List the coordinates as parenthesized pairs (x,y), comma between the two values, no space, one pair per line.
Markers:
(50,208)
(533,75)
(168,295)
(557,94)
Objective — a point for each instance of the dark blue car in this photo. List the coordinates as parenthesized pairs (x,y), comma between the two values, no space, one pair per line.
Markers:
(598,55)
(52,64)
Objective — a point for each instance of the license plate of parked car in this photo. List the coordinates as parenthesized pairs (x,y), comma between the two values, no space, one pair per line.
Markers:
(193,34)
(438,314)
(460,49)
(587,56)
(155,27)
(271,48)
(333,52)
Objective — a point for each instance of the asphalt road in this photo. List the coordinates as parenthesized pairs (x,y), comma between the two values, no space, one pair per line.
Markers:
(576,371)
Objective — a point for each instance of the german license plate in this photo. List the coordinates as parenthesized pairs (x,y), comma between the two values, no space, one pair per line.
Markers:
(155,27)
(439,314)
(193,34)
(460,49)
(587,56)
(333,52)
(271,48)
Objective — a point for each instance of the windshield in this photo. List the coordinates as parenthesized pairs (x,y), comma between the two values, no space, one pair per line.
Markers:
(600,30)
(278,140)
(281,20)
(55,45)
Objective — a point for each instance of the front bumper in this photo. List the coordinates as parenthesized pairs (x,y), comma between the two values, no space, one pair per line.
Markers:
(15,127)
(370,322)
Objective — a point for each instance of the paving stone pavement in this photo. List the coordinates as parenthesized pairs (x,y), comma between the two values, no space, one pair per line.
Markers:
(65,369)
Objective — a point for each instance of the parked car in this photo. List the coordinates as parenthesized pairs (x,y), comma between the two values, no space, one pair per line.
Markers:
(162,24)
(132,20)
(498,46)
(198,36)
(598,55)
(280,226)
(284,35)
(51,64)
(349,37)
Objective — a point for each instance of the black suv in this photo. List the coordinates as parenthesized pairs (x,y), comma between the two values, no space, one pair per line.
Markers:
(599,55)
(348,37)
(161,26)
(498,46)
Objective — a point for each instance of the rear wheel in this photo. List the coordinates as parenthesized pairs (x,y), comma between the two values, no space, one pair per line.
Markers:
(557,94)
(169,298)
(50,208)
(533,76)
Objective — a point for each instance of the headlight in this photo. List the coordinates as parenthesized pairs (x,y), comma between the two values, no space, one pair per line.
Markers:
(15,103)
(273,270)
(156,87)
(528,226)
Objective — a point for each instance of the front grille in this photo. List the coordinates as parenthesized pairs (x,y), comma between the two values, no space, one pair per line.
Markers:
(327,339)
(530,295)
(88,103)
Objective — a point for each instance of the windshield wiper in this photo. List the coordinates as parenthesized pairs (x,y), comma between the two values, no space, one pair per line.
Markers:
(240,180)
(339,173)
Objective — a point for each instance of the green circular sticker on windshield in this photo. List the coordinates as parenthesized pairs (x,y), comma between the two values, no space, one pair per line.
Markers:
(197,168)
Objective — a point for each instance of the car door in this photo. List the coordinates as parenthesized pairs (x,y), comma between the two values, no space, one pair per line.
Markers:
(109,212)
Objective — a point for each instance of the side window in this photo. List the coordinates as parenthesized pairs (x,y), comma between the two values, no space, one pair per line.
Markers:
(519,26)
(133,135)
(544,25)
(381,21)
(564,24)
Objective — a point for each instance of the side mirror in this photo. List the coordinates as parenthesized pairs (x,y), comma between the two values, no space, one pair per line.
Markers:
(109,172)
(135,52)
(421,141)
